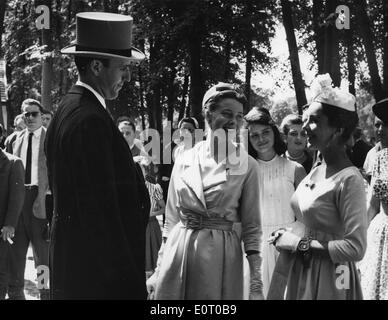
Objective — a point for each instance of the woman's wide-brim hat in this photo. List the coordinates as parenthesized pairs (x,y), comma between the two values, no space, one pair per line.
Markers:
(380,109)
(104,35)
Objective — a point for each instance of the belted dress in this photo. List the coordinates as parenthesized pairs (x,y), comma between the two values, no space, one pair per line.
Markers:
(203,256)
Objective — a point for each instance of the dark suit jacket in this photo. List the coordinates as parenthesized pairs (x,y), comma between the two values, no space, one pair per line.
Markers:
(359,152)
(11,189)
(101,205)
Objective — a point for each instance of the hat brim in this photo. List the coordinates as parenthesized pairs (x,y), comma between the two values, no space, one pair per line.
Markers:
(136,54)
(380,109)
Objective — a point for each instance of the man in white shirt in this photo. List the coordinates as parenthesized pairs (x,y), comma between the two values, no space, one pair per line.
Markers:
(32,225)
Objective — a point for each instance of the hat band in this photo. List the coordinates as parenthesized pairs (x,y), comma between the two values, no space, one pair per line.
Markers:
(125,52)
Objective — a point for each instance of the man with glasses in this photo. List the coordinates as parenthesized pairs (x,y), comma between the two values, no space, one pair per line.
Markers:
(32,225)
(101,204)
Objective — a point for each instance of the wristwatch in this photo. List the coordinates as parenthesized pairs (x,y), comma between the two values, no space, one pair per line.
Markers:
(305,250)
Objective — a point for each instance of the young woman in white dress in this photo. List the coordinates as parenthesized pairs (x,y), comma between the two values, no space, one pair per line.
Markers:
(278,179)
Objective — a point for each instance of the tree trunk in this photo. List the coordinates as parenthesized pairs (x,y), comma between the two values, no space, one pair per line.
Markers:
(141,95)
(182,106)
(196,81)
(153,99)
(294,56)
(318,33)
(228,48)
(350,61)
(47,61)
(367,36)
(332,59)
(2,14)
(248,73)
(385,53)
(171,97)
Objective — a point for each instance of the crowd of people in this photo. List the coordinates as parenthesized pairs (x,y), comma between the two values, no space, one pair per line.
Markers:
(249,211)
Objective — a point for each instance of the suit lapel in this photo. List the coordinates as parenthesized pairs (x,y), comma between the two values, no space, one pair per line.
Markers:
(192,178)
(17,148)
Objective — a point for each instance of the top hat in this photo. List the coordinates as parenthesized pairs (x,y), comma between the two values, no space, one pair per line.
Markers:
(104,35)
(380,109)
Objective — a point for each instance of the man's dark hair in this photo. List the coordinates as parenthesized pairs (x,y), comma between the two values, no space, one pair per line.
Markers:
(127,121)
(45,111)
(83,62)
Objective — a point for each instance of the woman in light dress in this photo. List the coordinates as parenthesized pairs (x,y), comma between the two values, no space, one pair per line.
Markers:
(374,266)
(278,179)
(213,186)
(331,202)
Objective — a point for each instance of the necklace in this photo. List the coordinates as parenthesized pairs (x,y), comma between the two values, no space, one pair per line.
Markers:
(297,159)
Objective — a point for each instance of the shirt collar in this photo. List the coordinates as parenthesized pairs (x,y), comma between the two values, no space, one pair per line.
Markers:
(98,96)
(36,133)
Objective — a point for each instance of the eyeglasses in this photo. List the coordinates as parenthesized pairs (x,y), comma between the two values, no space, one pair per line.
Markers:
(34,114)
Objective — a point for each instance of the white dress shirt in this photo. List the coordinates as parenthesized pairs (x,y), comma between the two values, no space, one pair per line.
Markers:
(98,96)
(35,153)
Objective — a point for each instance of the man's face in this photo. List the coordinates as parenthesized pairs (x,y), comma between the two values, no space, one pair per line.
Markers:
(32,116)
(381,131)
(112,78)
(46,119)
(127,132)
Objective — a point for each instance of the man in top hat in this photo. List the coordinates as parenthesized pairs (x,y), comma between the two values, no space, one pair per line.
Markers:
(101,204)
(380,109)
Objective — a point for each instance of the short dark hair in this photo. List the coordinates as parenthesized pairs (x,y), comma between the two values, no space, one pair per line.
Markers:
(127,121)
(32,102)
(190,120)
(288,121)
(83,62)
(45,111)
(341,118)
(259,116)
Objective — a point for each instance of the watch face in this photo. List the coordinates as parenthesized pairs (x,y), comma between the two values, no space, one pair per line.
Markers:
(303,246)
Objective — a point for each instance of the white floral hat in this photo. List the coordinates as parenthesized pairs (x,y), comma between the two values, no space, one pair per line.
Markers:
(324,92)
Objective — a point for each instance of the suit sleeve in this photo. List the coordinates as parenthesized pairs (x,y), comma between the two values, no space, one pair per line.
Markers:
(16,193)
(95,183)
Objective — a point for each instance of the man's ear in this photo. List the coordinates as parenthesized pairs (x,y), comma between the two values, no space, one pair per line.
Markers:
(96,66)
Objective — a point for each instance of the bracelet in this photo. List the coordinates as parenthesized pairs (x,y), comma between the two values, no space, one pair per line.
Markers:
(304,248)
(304,244)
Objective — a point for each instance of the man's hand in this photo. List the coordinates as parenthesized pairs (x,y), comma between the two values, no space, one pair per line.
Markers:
(151,285)
(7,232)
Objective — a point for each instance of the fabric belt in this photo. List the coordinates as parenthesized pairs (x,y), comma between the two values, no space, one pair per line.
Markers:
(198,222)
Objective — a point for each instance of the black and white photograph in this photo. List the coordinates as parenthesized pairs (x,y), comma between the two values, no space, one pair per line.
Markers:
(194,150)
